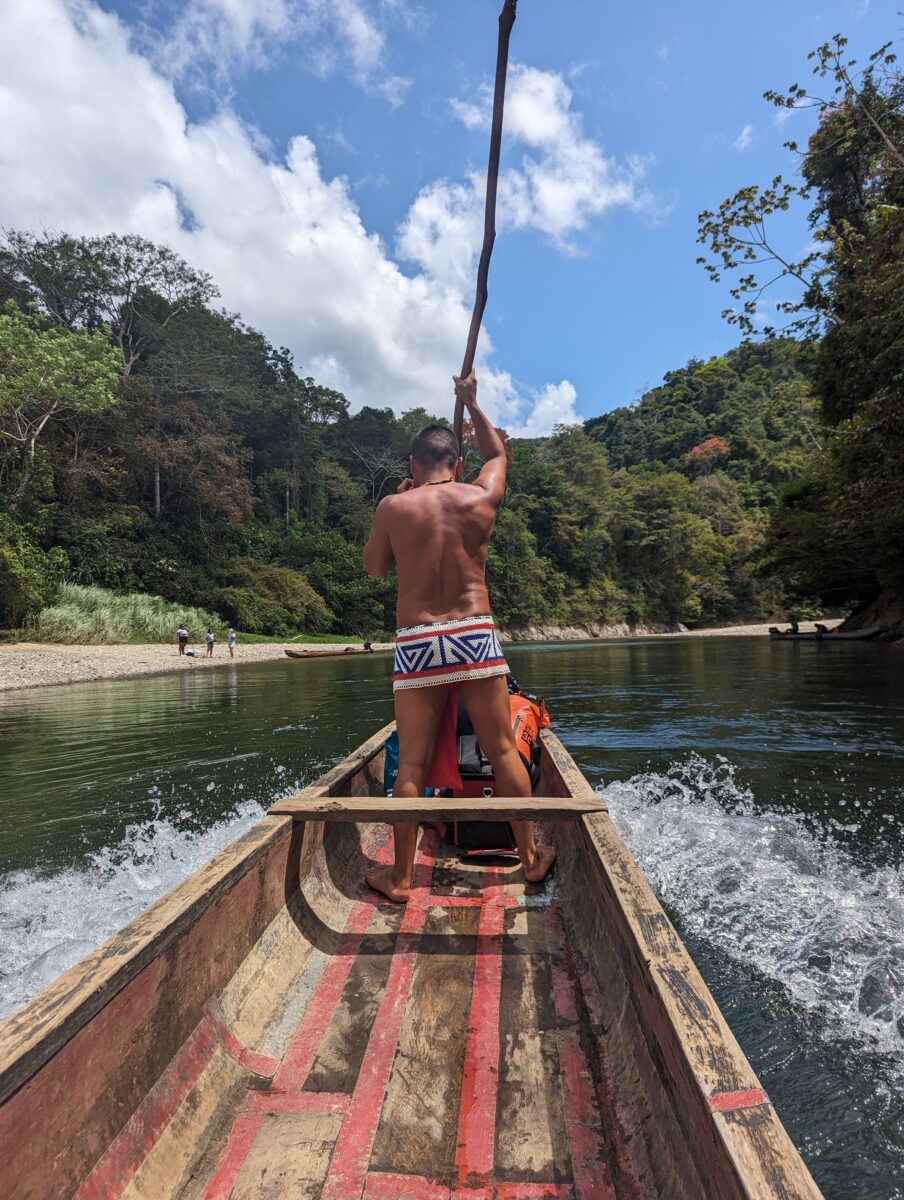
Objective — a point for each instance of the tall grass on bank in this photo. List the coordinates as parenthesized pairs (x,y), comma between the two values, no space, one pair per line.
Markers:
(95,616)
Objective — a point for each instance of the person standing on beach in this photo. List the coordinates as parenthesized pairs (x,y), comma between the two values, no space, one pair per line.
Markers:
(210,640)
(230,642)
(436,531)
(182,635)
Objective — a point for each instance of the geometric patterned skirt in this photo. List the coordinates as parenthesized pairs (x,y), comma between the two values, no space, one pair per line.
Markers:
(447,652)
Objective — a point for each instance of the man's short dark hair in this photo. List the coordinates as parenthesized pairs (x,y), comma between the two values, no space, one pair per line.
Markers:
(435,446)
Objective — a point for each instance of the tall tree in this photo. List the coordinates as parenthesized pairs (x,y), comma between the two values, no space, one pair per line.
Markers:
(123,281)
(851,302)
(47,372)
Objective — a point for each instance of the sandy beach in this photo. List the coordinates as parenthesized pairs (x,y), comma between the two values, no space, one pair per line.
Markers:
(36,664)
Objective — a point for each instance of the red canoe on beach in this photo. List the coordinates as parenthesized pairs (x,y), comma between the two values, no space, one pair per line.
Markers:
(271,1029)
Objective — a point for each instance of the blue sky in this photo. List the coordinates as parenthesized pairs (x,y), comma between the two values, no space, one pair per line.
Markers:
(355,244)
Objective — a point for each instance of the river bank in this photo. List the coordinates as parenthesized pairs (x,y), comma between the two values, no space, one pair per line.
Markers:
(594,632)
(41,664)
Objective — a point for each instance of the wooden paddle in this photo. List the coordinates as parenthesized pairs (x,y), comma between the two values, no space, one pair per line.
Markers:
(506,21)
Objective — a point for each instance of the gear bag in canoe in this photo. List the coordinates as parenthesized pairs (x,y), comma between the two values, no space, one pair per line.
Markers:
(529,716)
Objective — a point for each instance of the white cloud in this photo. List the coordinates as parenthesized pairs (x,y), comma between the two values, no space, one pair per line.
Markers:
(224,36)
(744,139)
(93,139)
(664,52)
(564,181)
(554,405)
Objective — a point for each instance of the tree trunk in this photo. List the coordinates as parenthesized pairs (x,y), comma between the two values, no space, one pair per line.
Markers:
(157,490)
(287,506)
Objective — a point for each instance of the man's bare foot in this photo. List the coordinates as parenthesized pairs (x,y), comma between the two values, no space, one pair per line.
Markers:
(382,880)
(542,864)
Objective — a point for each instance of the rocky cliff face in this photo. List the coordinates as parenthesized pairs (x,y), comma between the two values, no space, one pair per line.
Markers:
(886,612)
(577,633)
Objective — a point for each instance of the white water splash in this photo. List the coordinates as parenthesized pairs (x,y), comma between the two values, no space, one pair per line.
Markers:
(765,890)
(49,921)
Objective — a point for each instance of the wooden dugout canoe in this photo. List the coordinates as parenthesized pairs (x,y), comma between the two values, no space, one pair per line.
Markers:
(270,1029)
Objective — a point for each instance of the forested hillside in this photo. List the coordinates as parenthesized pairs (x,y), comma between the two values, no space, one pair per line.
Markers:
(151,443)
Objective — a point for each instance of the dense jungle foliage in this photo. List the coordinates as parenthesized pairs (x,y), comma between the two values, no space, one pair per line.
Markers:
(152,443)
(837,535)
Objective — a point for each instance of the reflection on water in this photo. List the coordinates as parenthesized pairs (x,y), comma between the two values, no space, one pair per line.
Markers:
(759,786)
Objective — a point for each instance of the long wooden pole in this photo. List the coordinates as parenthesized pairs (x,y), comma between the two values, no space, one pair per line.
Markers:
(506,21)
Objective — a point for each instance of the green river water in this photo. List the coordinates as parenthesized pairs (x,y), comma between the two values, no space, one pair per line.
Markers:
(758,785)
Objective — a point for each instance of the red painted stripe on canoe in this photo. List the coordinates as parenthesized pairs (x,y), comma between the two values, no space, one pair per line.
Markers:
(385,1186)
(231,1161)
(419,637)
(258,1064)
(531,1191)
(297,1102)
(480,1078)
(302,1051)
(729,1101)
(589,1166)
(111,1174)
(354,1146)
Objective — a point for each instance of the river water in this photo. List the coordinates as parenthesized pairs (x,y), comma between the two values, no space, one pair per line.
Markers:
(758,785)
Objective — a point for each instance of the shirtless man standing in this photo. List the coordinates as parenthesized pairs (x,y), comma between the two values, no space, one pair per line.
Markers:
(436,531)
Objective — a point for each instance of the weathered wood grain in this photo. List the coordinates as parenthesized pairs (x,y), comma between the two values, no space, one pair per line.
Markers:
(290,1157)
(531,1145)
(338,1061)
(312,805)
(763,1155)
(419,1121)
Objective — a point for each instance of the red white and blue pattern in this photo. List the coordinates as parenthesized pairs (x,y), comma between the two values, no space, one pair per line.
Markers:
(447,652)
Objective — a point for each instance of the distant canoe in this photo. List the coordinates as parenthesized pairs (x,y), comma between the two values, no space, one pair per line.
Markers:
(333,653)
(851,635)
(828,635)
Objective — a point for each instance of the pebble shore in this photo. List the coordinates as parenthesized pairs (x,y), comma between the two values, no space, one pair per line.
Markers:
(35,664)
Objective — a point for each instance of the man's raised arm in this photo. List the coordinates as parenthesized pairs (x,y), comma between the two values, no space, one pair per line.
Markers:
(378,555)
(492,476)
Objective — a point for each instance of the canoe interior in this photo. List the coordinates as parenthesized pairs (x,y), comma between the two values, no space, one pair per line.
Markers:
(271,1029)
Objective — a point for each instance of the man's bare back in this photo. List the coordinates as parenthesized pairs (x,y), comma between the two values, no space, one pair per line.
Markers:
(436,532)
(439,535)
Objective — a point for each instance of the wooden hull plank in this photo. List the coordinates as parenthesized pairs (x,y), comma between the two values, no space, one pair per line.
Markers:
(299,1059)
(351,1157)
(531,1143)
(313,805)
(480,1073)
(337,1063)
(419,1121)
(289,1157)
(590,1163)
